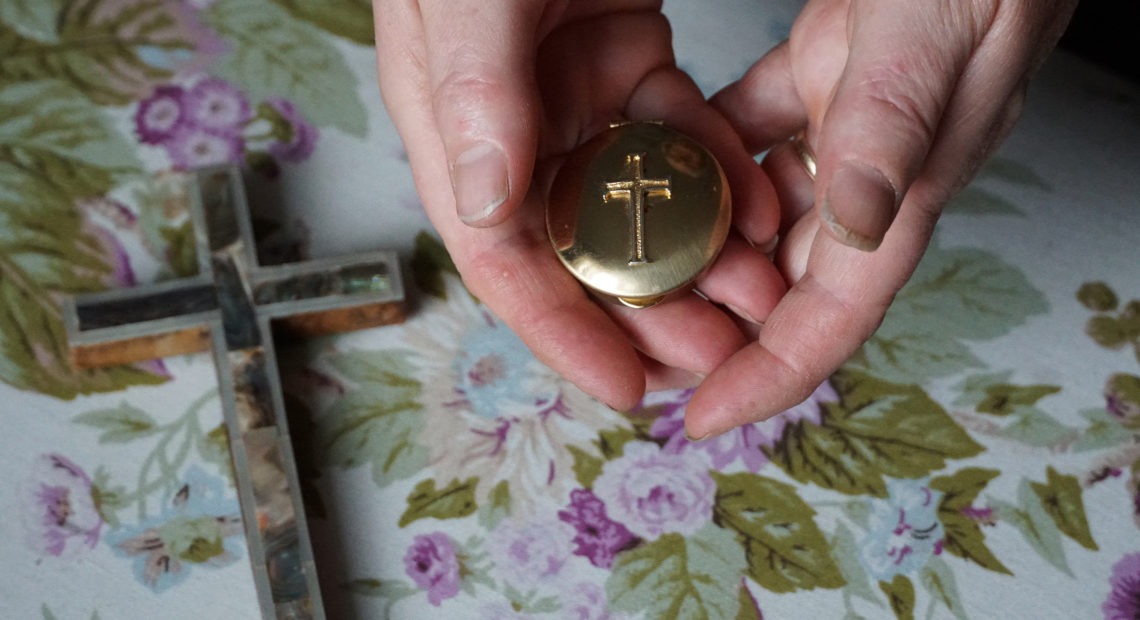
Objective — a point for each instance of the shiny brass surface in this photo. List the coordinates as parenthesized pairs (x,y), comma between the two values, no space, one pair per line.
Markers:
(638,212)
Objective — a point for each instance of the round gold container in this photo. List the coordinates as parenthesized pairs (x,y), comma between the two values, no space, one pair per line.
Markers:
(638,212)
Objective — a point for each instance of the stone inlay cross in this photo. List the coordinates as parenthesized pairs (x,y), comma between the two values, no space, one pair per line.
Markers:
(636,190)
(227,307)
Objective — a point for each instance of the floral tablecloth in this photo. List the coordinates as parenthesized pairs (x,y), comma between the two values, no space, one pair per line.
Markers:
(979,458)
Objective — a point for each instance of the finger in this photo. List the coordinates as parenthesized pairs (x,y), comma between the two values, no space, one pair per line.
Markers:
(744,280)
(509,266)
(480,61)
(659,377)
(904,62)
(670,95)
(824,318)
(795,189)
(763,105)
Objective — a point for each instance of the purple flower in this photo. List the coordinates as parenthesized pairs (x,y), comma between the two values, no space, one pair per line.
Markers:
(529,554)
(62,519)
(431,563)
(162,115)
(215,105)
(299,141)
(653,492)
(745,442)
(193,148)
(1123,602)
(599,538)
(905,531)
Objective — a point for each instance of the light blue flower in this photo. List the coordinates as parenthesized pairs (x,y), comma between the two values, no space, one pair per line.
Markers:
(201,525)
(497,373)
(905,531)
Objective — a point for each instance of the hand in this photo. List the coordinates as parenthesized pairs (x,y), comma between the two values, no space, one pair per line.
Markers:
(485,93)
(901,102)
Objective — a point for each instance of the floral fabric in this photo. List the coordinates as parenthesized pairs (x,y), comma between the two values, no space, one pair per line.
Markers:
(978,458)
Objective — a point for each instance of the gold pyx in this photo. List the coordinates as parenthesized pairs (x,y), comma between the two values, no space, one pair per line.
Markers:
(639,212)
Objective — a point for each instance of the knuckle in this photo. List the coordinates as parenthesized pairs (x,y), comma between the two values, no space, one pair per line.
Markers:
(911,106)
(462,96)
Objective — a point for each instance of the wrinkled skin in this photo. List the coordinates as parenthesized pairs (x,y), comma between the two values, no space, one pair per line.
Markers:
(900,101)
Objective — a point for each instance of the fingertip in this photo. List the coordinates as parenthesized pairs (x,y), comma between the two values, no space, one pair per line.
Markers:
(859,205)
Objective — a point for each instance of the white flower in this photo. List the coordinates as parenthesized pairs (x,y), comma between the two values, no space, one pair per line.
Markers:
(493,411)
(529,554)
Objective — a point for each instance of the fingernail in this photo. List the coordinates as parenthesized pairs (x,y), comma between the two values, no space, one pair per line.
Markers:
(696,439)
(741,313)
(479,179)
(860,205)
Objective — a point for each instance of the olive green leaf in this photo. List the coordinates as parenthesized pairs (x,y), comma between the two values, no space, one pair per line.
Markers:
(378,420)
(900,593)
(56,149)
(34,19)
(1097,296)
(749,610)
(1060,496)
(937,579)
(964,537)
(119,424)
(275,55)
(993,394)
(430,263)
(877,430)
(587,467)
(114,51)
(497,507)
(956,295)
(785,549)
(454,501)
(691,577)
(351,19)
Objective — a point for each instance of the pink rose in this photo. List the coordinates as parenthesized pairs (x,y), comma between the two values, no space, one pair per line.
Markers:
(432,565)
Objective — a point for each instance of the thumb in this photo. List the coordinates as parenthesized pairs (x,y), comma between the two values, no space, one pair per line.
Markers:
(902,69)
(480,58)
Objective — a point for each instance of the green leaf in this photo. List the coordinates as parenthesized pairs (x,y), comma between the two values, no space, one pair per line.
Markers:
(497,507)
(275,55)
(430,263)
(182,248)
(1097,296)
(1103,431)
(877,430)
(351,19)
(679,577)
(1011,171)
(846,552)
(378,421)
(34,19)
(1060,496)
(455,501)
(938,580)
(956,295)
(1033,427)
(1108,331)
(978,201)
(1035,526)
(785,549)
(122,424)
(964,537)
(900,593)
(114,51)
(47,612)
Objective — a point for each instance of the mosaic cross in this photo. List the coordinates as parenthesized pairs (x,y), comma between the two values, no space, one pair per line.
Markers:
(227,308)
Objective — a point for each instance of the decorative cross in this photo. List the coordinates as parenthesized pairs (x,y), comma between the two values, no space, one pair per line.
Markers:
(228,307)
(635,191)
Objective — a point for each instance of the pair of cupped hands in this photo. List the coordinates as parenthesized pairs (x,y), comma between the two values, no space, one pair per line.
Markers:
(900,101)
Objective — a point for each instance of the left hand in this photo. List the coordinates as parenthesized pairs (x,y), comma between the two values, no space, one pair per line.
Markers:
(901,102)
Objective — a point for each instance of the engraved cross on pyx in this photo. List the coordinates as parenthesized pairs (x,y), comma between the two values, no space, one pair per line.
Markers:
(636,190)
